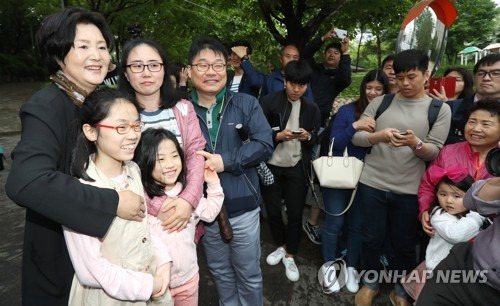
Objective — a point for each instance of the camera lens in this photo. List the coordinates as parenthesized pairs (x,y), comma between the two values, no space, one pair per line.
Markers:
(493,162)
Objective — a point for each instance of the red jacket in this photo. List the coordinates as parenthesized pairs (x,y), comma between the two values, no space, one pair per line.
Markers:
(458,153)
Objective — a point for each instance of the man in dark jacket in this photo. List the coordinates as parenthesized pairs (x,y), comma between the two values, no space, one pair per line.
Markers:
(333,75)
(294,120)
(276,80)
(235,265)
(245,78)
(487,81)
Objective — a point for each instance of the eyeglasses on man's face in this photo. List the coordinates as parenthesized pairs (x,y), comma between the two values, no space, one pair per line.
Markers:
(202,67)
(138,68)
(124,128)
(494,74)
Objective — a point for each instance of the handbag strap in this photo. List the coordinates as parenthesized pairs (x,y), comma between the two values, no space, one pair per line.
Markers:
(348,206)
(330,147)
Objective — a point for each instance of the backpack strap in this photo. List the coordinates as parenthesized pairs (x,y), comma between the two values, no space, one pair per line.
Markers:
(433,113)
(386,102)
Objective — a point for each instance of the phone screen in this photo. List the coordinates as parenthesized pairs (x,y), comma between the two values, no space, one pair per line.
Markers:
(447,82)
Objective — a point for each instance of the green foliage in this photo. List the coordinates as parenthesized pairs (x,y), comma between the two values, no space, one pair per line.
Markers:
(473,27)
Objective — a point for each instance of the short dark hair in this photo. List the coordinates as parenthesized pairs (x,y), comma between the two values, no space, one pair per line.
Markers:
(491,105)
(389,57)
(167,90)
(244,43)
(207,42)
(362,102)
(56,36)
(95,108)
(468,81)
(411,59)
(298,72)
(462,185)
(488,60)
(146,156)
(334,45)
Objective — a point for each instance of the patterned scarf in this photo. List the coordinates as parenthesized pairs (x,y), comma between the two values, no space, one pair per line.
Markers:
(76,94)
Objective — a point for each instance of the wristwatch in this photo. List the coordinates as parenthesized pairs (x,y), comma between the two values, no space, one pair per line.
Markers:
(245,58)
(419,145)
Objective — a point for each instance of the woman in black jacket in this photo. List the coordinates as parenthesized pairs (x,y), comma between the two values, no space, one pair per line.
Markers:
(74,44)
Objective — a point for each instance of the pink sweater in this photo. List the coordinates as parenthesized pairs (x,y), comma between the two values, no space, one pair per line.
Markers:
(181,245)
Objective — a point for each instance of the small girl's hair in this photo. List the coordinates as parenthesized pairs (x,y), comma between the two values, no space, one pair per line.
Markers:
(94,109)
(146,156)
(463,185)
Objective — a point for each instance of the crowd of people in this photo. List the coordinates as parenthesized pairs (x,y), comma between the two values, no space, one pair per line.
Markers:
(121,184)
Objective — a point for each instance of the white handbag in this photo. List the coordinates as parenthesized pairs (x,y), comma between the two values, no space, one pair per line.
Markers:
(338,172)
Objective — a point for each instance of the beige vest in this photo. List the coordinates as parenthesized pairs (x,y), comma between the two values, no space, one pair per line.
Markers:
(127,244)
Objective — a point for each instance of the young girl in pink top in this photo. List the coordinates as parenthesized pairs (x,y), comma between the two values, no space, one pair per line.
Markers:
(161,160)
(130,265)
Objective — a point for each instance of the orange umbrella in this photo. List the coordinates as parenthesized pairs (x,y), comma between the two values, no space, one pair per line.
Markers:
(444,9)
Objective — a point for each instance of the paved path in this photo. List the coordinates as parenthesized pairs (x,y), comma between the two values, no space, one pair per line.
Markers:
(277,289)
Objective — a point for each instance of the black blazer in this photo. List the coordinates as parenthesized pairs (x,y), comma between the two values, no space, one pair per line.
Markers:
(39,180)
(277,110)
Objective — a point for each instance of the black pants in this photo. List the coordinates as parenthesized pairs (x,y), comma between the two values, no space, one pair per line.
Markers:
(291,184)
(437,292)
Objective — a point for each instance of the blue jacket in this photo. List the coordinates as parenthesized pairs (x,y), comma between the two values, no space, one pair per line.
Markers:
(251,81)
(342,131)
(275,82)
(239,180)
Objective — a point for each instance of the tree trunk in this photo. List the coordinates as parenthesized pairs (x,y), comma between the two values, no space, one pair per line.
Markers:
(379,50)
(359,47)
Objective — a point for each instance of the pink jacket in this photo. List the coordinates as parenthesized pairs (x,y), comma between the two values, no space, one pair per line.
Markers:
(181,245)
(458,153)
(192,140)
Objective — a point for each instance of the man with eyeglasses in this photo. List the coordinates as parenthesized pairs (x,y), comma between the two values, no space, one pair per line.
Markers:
(234,264)
(487,81)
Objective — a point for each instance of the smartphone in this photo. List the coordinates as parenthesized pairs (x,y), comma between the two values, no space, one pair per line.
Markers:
(447,82)
(403,133)
(340,34)
(297,132)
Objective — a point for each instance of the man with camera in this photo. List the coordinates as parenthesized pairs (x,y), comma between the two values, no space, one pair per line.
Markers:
(334,74)
(480,257)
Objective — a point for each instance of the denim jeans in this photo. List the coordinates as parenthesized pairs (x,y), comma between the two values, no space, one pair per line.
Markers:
(235,265)
(398,211)
(336,200)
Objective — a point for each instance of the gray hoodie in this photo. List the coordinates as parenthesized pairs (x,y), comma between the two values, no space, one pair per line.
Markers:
(486,247)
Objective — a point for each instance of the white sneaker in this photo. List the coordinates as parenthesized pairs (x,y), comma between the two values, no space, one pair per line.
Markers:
(275,257)
(327,279)
(352,282)
(292,272)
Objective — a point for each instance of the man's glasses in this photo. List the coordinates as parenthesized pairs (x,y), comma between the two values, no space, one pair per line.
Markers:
(217,67)
(138,68)
(124,128)
(494,74)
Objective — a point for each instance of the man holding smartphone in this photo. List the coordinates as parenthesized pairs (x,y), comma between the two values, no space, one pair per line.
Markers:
(294,120)
(387,189)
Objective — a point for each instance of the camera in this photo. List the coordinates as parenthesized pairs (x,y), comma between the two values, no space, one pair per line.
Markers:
(493,162)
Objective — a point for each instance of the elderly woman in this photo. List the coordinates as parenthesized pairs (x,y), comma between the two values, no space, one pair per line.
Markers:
(482,133)
(74,44)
